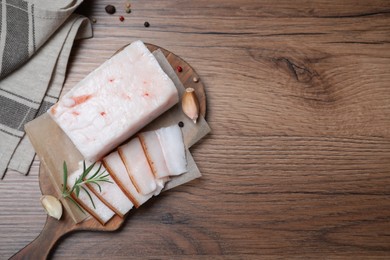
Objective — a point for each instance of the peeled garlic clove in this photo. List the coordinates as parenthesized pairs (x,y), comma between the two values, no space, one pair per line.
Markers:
(190,104)
(52,206)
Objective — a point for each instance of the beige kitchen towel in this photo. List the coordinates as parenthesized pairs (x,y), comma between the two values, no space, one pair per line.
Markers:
(25,27)
(35,41)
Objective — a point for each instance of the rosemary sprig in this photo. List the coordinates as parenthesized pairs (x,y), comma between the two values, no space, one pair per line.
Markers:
(81,180)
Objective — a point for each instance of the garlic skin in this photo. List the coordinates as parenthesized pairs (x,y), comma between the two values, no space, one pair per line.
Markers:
(190,104)
(52,206)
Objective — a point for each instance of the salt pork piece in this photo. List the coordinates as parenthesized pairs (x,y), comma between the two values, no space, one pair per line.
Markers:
(110,193)
(137,166)
(101,213)
(115,101)
(160,185)
(154,153)
(172,145)
(114,165)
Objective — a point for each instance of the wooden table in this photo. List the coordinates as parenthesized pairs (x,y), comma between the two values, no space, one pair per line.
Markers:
(298,162)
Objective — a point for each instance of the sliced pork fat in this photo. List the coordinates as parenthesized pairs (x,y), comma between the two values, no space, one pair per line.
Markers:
(154,153)
(101,212)
(116,168)
(109,192)
(172,145)
(137,166)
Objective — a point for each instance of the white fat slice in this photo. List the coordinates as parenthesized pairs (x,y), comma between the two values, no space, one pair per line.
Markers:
(160,185)
(115,101)
(110,193)
(154,153)
(118,172)
(172,145)
(101,212)
(137,166)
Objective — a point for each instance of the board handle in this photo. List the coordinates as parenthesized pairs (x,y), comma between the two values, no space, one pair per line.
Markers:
(42,245)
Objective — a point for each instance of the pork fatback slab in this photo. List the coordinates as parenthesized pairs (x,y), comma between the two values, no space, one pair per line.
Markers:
(114,101)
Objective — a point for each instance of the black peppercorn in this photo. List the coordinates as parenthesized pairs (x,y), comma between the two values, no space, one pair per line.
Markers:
(181,124)
(146,24)
(110,9)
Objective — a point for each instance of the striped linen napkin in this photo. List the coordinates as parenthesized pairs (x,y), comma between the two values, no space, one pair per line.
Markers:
(36,37)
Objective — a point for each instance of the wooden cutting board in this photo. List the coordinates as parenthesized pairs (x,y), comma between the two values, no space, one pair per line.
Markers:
(53,229)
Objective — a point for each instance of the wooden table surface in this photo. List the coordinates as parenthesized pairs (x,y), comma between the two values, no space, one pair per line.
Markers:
(298,161)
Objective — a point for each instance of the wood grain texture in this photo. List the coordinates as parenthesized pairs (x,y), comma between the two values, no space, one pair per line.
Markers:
(298,162)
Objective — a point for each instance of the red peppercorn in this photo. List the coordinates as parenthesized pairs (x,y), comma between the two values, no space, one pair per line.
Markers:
(179,69)
(121,18)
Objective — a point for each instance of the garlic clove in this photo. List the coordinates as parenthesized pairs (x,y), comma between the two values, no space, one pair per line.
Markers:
(52,206)
(190,104)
